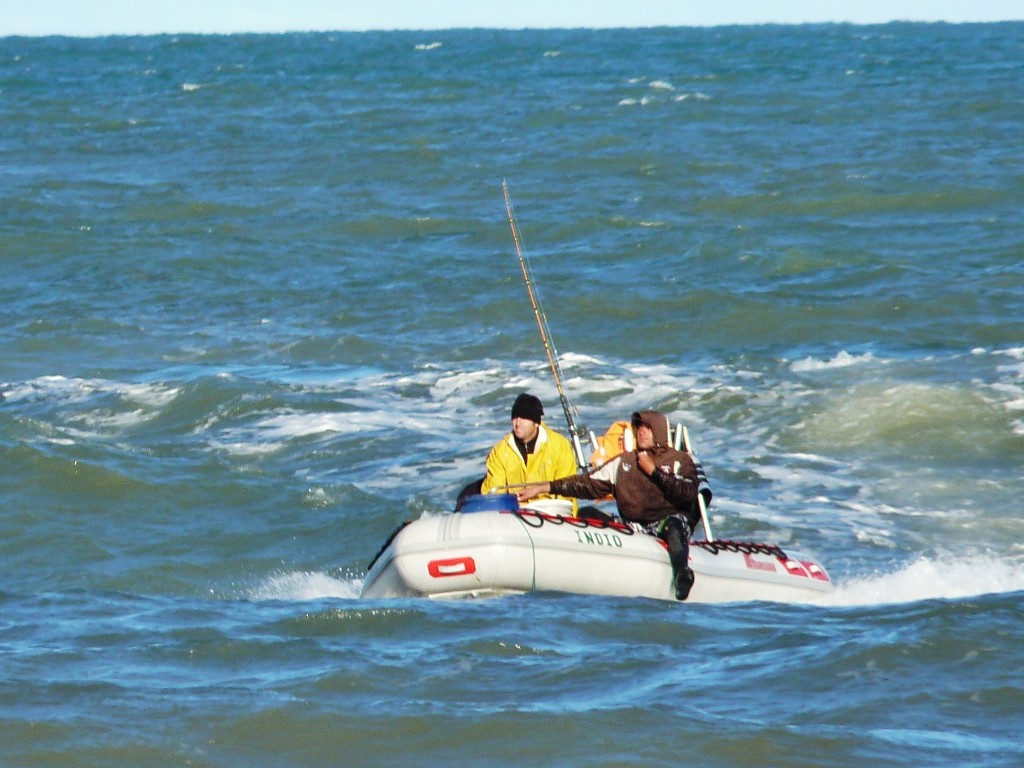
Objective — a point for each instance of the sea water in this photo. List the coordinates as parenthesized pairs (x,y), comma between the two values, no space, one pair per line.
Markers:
(261,303)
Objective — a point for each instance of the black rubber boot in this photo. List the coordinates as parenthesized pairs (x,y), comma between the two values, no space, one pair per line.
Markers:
(683,582)
(677,538)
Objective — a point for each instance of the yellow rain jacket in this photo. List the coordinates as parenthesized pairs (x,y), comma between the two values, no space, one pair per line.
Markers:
(552,458)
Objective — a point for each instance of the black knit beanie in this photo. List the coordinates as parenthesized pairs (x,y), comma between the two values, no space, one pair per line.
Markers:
(527,407)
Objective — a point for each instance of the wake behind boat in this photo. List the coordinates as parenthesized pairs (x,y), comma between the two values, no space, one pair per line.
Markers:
(494,547)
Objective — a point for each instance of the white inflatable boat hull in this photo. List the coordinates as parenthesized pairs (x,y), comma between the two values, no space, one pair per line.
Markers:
(490,553)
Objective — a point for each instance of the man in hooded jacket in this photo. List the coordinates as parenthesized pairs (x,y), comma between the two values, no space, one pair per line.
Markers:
(655,486)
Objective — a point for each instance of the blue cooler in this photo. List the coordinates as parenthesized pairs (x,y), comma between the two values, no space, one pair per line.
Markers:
(491,502)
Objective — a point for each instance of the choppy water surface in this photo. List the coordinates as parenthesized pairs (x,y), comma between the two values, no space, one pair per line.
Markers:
(261,303)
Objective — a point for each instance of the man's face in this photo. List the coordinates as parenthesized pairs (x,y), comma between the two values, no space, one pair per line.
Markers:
(644,437)
(524,429)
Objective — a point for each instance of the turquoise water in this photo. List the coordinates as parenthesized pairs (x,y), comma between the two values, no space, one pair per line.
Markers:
(261,304)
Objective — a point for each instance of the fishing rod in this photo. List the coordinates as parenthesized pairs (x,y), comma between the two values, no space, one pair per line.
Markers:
(571,414)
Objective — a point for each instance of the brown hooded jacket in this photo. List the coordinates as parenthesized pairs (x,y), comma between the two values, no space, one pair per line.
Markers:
(670,489)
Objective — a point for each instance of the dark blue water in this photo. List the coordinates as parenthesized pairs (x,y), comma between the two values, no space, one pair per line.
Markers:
(261,303)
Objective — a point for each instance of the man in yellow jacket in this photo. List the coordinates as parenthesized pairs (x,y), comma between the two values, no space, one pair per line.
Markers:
(530,453)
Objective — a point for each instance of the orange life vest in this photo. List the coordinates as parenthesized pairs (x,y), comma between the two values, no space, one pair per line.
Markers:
(610,444)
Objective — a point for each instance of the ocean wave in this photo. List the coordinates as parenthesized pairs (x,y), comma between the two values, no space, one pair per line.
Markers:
(842,359)
(64,390)
(945,577)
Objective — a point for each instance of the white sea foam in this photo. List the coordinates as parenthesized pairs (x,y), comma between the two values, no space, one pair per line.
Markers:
(570,359)
(796,477)
(76,390)
(305,585)
(929,578)
(1014,352)
(294,424)
(1014,394)
(106,421)
(152,395)
(647,384)
(275,431)
(1017,367)
(461,382)
(596,385)
(48,387)
(842,360)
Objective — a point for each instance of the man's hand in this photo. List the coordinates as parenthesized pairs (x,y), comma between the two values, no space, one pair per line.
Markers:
(530,491)
(645,462)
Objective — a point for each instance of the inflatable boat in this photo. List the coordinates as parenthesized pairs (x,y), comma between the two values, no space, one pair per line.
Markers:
(494,547)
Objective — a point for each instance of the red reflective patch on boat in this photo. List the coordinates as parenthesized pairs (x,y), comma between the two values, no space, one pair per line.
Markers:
(758,565)
(816,571)
(453,566)
(794,568)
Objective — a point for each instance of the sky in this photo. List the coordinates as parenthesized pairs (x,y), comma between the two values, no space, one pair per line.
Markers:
(90,18)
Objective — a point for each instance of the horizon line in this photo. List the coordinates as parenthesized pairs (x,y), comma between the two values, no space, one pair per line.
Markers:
(499,28)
